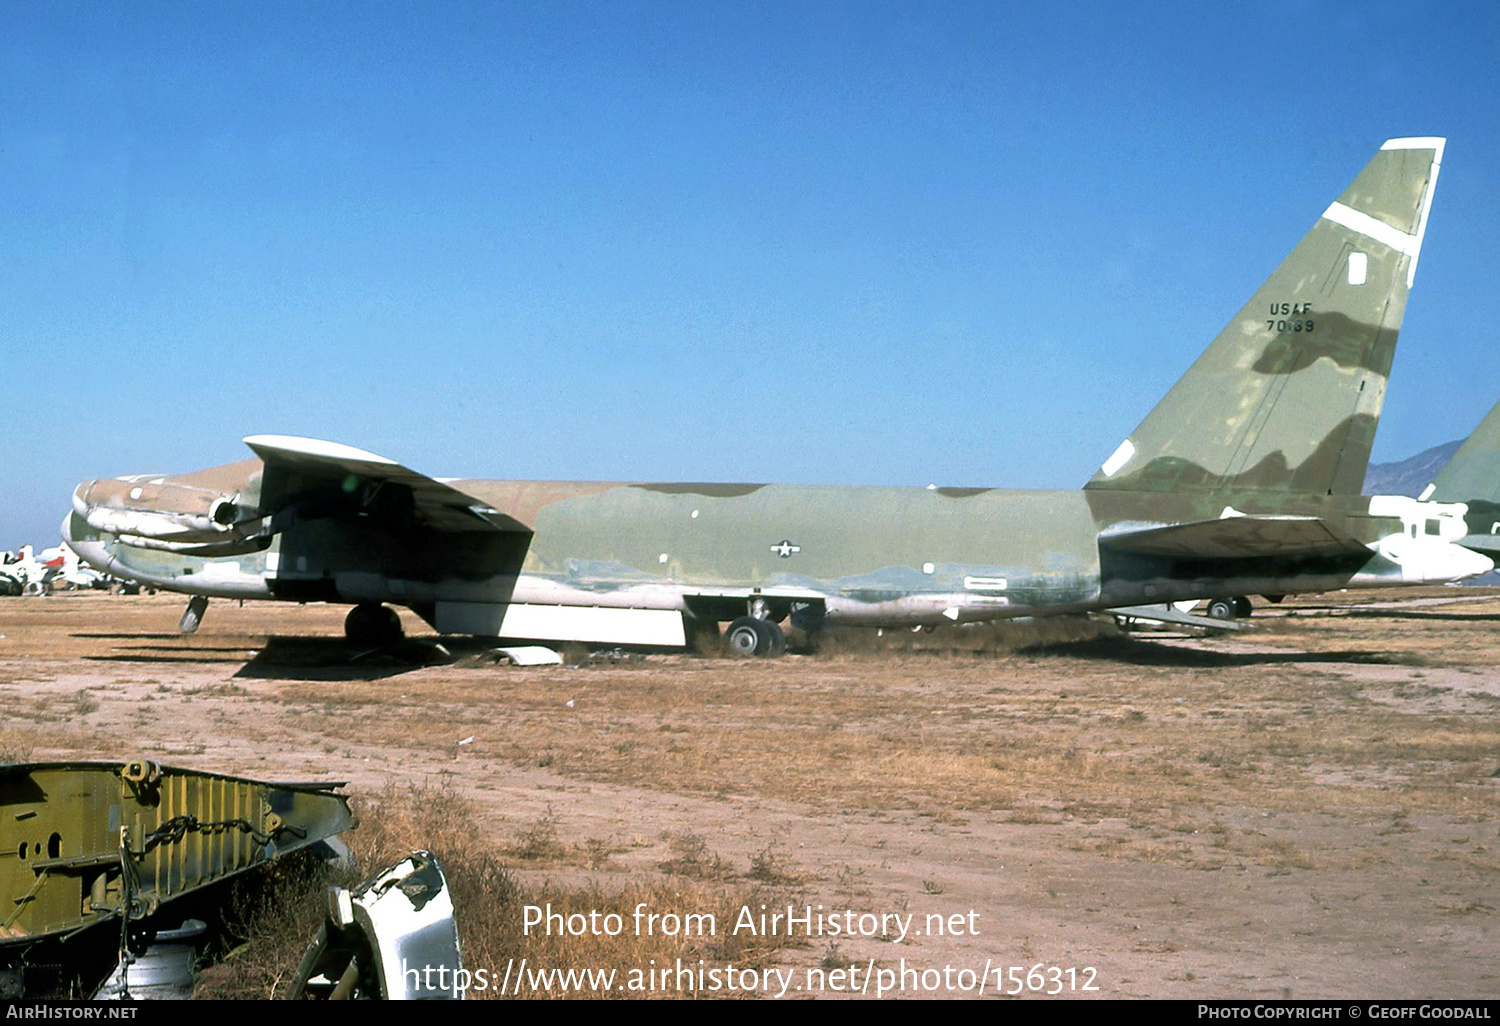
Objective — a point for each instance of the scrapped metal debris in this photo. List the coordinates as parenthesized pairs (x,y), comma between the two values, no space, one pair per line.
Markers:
(89,842)
(163,972)
(530,655)
(393,938)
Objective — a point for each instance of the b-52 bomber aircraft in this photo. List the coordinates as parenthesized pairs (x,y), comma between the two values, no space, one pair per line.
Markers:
(1244,480)
(1474,474)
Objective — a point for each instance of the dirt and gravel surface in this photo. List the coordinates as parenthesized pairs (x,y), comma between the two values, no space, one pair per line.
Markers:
(1303,810)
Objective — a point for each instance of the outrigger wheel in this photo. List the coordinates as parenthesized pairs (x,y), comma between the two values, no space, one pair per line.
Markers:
(372,624)
(750,635)
(1230,608)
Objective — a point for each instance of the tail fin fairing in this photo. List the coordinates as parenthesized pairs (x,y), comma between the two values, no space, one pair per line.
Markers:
(1287,398)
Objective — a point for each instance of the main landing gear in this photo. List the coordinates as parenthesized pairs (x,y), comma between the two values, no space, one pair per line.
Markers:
(752,636)
(756,634)
(371,625)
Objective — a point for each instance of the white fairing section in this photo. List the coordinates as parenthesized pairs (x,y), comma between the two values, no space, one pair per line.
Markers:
(562,623)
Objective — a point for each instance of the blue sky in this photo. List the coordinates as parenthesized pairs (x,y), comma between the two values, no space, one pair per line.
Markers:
(863,243)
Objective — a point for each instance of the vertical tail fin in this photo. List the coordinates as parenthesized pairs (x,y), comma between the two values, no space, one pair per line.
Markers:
(1473,474)
(1287,398)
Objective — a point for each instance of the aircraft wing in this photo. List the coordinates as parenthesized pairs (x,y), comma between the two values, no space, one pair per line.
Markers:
(296,467)
(1238,537)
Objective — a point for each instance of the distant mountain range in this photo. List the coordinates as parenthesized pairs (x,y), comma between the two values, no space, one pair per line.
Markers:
(1411,475)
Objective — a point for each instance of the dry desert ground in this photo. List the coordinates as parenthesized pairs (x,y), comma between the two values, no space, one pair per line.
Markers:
(1304,810)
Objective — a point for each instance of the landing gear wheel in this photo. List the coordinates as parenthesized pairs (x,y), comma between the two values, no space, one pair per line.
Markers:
(1223,609)
(372,624)
(778,641)
(1242,606)
(751,636)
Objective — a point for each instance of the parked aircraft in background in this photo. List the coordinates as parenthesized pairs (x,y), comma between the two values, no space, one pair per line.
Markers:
(1472,477)
(29,573)
(73,573)
(1244,480)
(10,583)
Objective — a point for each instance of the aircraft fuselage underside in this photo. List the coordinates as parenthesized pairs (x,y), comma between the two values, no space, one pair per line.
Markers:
(624,563)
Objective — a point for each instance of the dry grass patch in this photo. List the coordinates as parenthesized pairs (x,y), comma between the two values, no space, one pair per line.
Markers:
(1051,714)
(999,638)
(273,918)
(1321,710)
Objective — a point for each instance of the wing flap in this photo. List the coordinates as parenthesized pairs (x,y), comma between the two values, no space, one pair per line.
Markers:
(439,506)
(1238,537)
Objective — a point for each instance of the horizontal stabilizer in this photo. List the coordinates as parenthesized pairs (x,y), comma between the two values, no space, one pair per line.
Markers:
(1489,544)
(1238,538)
(439,506)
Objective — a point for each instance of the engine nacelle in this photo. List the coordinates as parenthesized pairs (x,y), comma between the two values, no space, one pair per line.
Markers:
(165,512)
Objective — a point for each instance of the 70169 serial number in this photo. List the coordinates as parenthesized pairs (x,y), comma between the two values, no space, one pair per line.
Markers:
(1301,317)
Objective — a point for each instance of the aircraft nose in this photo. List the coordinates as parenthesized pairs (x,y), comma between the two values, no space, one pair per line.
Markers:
(81,500)
(74,532)
(83,539)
